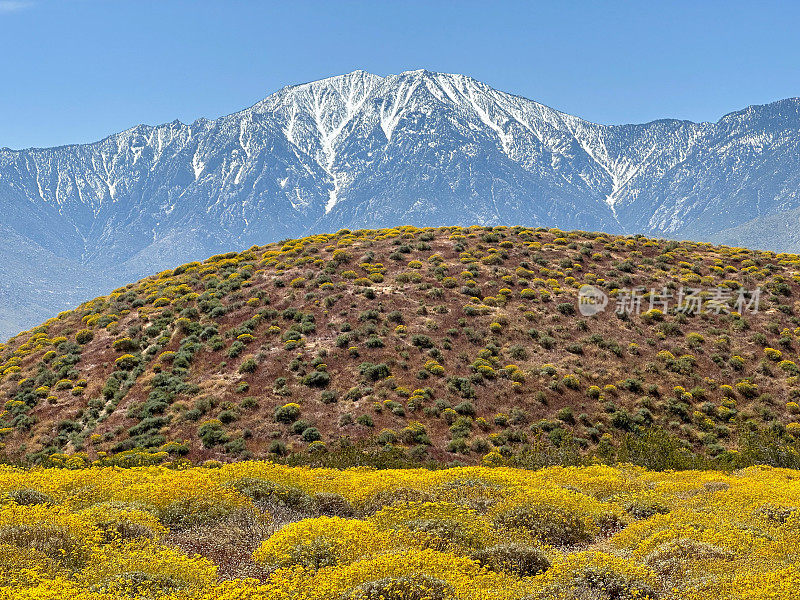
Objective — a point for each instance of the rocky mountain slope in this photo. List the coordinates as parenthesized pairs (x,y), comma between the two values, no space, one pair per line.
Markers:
(360,150)
(450,342)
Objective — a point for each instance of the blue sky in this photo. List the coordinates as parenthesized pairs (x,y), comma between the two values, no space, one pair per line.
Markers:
(78,70)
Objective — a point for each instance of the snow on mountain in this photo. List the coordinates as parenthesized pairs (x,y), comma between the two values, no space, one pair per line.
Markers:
(361,150)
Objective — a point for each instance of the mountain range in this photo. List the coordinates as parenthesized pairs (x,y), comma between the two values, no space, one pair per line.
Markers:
(364,151)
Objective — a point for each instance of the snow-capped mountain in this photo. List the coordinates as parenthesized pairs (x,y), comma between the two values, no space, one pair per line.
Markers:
(360,150)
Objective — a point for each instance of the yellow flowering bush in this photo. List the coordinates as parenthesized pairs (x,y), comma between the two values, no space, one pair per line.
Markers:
(322,542)
(410,574)
(122,522)
(141,569)
(439,525)
(555,516)
(596,575)
(258,530)
(54,533)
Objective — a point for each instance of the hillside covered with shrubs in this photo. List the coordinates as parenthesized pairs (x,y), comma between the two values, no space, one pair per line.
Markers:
(260,531)
(415,345)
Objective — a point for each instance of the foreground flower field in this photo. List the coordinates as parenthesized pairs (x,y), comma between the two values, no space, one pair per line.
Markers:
(256,530)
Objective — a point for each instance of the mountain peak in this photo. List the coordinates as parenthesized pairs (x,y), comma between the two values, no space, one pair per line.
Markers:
(336,82)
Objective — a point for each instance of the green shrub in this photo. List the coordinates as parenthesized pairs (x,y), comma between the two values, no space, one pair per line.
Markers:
(288,413)
(458,445)
(374,342)
(566,414)
(329,397)
(365,420)
(621,419)
(747,389)
(669,559)
(547,342)
(566,308)
(248,403)
(126,362)
(518,352)
(374,372)
(211,433)
(248,366)
(270,494)
(443,534)
(461,386)
(422,341)
(311,434)
(597,580)
(193,511)
(235,446)
(278,448)
(125,344)
(465,408)
(644,509)
(461,427)
(84,336)
(332,505)
(550,525)
(299,426)
(227,416)
(30,497)
(517,559)
(406,587)
(318,379)
(236,349)
(571,381)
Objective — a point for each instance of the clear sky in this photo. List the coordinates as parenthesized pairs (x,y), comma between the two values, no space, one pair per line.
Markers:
(78,70)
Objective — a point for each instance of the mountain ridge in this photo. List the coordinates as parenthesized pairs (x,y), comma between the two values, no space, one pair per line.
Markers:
(362,150)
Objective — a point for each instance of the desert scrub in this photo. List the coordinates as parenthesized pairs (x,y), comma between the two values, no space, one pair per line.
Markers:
(596,575)
(406,575)
(679,557)
(437,525)
(288,413)
(411,587)
(64,538)
(142,569)
(557,517)
(519,559)
(120,522)
(270,494)
(550,525)
(322,542)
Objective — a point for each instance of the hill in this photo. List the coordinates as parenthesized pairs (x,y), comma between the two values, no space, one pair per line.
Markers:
(435,344)
(361,150)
